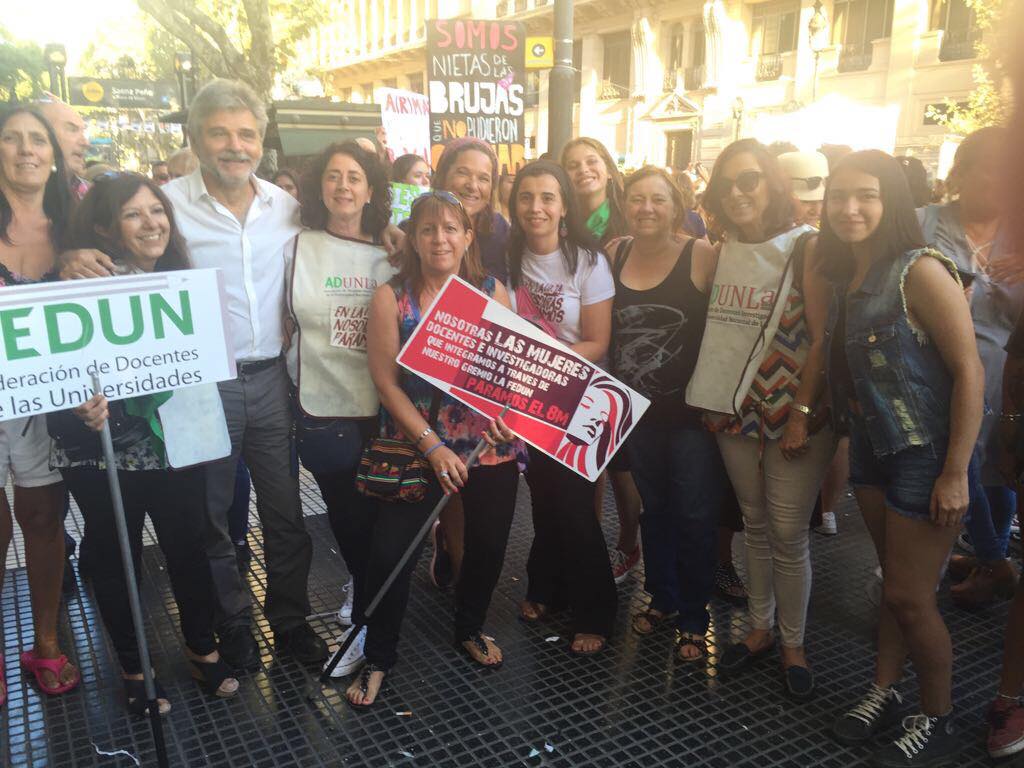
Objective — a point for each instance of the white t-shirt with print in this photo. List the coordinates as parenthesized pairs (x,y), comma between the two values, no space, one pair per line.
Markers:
(559,295)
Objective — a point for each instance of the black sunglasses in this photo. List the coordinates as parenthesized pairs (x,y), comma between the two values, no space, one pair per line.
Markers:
(439,194)
(812,182)
(746,182)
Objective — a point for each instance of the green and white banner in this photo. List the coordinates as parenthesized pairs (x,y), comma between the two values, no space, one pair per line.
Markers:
(140,333)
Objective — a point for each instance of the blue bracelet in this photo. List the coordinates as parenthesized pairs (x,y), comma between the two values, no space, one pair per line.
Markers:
(432,448)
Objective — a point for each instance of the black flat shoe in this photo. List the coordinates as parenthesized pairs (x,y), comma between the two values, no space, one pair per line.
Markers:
(799,683)
(301,643)
(211,676)
(738,657)
(238,649)
(135,694)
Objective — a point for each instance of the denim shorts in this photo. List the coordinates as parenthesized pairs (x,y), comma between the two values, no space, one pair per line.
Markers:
(907,476)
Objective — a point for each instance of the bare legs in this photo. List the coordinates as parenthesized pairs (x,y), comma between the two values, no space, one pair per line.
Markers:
(38,512)
(912,553)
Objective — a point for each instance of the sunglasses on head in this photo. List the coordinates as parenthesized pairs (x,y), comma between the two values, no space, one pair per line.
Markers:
(812,182)
(439,194)
(745,182)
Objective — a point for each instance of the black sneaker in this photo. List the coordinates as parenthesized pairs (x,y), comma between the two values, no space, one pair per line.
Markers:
(238,649)
(441,561)
(927,742)
(877,710)
(302,643)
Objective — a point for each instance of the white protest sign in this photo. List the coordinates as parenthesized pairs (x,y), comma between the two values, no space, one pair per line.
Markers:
(405,117)
(140,333)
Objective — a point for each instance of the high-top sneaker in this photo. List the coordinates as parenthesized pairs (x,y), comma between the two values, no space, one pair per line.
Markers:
(877,710)
(1005,727)
(926,742)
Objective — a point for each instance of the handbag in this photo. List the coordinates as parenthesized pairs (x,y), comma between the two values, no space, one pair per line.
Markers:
(80,443)
(394,470)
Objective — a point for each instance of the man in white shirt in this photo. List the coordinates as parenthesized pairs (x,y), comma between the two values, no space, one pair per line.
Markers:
(235,221)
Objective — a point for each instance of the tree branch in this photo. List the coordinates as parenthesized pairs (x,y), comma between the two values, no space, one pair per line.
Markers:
(207,53)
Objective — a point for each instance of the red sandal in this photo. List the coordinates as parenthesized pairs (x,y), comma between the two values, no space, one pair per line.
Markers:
(37,666)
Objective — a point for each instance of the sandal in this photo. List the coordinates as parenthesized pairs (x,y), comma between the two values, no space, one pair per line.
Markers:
(364,686)
(532,612)
(594,652)
(479,641)
(653,618)
(729,585)
(693,640)
(215,676)
(37,666)
(135,693)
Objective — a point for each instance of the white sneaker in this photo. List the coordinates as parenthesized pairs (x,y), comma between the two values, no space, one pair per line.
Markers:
(828,524)
(345,611)
(353,657)
(964,542)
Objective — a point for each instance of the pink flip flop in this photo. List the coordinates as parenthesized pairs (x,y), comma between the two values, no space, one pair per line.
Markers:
(37,666)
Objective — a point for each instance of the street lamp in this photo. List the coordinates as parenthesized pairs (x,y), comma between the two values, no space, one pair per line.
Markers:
(817,36)
(737,117)
(185,71)
(56,56)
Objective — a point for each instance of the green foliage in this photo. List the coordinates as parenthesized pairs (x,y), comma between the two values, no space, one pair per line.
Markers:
(21,68)
(989,101)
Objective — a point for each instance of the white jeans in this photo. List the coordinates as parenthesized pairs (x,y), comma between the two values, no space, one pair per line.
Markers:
(776,499)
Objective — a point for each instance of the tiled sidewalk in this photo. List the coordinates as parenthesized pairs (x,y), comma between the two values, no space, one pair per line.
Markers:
(631,706)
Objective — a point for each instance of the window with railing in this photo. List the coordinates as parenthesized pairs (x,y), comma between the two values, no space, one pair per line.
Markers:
(676,42)
(959,26)
(857,23)
(774,31)
(617,63)
(367,89)
(695,70)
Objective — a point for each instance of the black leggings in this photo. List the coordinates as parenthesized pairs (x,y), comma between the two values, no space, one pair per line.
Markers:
(176,503)
(488,500)
(568,564)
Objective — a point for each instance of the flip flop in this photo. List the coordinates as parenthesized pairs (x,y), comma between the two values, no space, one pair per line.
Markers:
(37,666)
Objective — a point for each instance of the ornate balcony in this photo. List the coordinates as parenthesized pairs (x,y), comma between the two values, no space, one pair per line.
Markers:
(769,67)
(959,44)
(855,57)
(695,77)
(612,91)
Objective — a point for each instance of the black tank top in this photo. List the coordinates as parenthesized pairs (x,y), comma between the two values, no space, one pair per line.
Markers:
(656,337)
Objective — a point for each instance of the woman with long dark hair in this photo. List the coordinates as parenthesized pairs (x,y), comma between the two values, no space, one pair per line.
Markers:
(411,169)
(560,279)
(337,264)
(128,217)
(597,183)
(661,304)
(912,384)
(35,203)
(760,376)
(440,244)
(972,230)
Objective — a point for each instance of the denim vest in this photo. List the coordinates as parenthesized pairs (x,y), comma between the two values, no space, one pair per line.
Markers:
(900,381)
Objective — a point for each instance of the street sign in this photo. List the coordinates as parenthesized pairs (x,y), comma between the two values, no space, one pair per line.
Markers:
(540,52)
(121,93)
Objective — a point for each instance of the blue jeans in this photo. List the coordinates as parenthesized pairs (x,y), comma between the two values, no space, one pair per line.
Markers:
(993,508)
(681,479)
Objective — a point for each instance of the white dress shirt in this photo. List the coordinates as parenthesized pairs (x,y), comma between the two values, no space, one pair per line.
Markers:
(252,255)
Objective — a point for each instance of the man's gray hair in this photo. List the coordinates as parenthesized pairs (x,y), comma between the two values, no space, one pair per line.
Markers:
(220,94)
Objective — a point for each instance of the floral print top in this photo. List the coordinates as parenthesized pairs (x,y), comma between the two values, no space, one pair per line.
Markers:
(458,425)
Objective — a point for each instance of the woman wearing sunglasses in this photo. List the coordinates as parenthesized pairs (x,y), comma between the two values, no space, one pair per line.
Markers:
(912,384)
(567,288)
(774,442)
(597,184)
(337,263)
(440,244)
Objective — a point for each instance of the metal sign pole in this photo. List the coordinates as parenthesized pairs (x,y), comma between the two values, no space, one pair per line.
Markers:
(325,676)
(133,588)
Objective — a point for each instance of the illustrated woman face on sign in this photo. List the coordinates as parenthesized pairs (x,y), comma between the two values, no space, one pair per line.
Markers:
(601,422)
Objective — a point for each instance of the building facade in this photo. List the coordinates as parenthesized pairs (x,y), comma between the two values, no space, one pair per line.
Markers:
(671,82)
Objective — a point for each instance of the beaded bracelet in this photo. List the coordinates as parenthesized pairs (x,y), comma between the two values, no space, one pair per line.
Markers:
(432,448)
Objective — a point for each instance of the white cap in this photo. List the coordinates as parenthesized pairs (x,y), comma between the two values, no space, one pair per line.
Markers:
(808,172)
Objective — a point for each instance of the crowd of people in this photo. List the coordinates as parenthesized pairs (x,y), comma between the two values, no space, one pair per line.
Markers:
(885,353)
